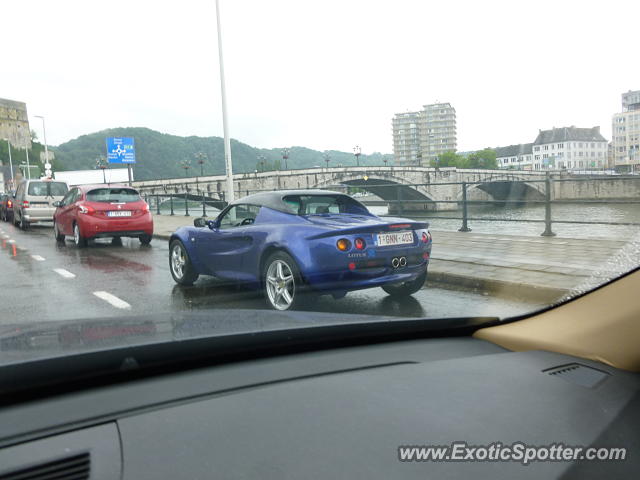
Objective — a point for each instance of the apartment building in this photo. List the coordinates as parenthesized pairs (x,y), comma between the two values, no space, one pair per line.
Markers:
(515,156)
(625,143)
(419,137)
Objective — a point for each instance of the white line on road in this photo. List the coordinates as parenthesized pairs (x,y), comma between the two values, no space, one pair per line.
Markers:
(38,258)
(64,273)
(112,299)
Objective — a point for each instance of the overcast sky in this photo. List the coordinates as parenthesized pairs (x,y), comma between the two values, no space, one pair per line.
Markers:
(322,74)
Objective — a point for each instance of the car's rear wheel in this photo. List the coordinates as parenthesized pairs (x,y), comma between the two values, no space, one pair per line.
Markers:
(282,282)
(145,239)
(56,232)
(405,289)
(78,239)
(180,264)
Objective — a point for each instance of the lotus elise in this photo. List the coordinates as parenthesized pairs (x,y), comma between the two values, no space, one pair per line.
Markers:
(299,242)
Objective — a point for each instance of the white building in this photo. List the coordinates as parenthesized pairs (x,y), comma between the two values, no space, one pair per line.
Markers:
(518,157)
(419,137)
(570,148)
(626,134)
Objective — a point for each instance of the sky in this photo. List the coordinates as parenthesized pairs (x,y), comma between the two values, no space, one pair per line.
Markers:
(327,75)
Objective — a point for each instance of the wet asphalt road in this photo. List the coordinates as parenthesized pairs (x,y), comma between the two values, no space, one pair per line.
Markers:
(42,280)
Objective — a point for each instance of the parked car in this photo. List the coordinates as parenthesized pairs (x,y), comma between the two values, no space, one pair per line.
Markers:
(289,242)
(6,206)
(34,201)
(96,211)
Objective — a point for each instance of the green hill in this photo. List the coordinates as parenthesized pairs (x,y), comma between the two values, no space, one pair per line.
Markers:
(159,155)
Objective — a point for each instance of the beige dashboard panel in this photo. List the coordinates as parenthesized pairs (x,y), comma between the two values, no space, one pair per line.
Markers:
(603,325)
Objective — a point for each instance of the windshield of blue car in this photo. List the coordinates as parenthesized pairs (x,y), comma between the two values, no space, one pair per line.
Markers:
(309,163)
(113,195)
(323,204)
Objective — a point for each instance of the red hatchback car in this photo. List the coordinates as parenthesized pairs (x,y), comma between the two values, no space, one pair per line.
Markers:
(95,211)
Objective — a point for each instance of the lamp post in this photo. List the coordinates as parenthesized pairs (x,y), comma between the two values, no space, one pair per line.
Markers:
(47,165)
(201,157)
(26,152)
(10,162)
(186,164)
(101,163)
(261,161)
(327,158)
(385,160)
(357,151)
(285,157)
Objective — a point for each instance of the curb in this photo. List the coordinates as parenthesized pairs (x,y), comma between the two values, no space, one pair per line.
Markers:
(500,288)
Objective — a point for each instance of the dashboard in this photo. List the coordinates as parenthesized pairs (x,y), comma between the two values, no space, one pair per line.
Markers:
(337,413)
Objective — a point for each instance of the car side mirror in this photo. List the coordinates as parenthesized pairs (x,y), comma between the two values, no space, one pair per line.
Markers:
(212,224)
(57,203)
(199,222)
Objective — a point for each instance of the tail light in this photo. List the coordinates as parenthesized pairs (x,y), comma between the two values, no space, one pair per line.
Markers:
(145,208)
(343,244)
(25,204)
(9,204)
(86,209)
(426,236)
(359,243)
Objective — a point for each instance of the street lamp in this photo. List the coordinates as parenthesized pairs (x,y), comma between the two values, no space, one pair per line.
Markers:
(385,160)
(10,162)
(327,158)
(47,165)
(261,160)
(201,157)
(285,157)
(357,151)
(101,163)
(186,164)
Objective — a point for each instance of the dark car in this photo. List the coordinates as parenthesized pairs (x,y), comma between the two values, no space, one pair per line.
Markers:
(304,240)
(6,206)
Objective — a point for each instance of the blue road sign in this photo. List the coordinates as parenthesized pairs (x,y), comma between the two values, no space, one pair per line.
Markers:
(121,150)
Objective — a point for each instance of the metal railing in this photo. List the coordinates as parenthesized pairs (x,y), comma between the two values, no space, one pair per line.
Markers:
(397,201)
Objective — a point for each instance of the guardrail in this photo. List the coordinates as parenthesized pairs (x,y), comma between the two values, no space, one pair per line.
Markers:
(156,200)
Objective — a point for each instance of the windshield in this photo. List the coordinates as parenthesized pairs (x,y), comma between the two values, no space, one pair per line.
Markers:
(321,204)
(113,195)
(368,161)
(50,189)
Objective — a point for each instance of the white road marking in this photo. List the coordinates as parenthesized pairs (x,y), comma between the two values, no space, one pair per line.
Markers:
(38,258)
(112,299)
(64,273)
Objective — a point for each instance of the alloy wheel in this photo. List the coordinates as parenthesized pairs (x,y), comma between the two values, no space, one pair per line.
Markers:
(280,285)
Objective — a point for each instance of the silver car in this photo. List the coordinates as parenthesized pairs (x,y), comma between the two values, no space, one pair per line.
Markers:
(34,201)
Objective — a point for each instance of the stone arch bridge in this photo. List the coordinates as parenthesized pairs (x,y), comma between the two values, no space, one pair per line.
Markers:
(403,188)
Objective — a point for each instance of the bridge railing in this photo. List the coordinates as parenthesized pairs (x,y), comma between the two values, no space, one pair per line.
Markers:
(464,202)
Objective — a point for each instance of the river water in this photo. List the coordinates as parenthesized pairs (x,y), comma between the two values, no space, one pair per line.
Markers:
(507,225)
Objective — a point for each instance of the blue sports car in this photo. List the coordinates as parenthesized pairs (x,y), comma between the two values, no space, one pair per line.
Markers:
(291,243)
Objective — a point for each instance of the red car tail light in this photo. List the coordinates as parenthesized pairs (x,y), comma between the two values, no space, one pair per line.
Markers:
(9,204)
(86,209)
(25,204)
(359,243)
(352,266)
(145,208)
(343,244)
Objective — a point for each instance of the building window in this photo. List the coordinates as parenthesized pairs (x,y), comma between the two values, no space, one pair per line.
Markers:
(561,145)
(546,147)
(536,149)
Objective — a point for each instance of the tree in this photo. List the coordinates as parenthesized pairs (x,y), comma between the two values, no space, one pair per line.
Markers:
(448,159)
(482,159)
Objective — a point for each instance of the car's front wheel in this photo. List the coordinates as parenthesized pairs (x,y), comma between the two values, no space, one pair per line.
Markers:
(180,265)
(282,282)
(405,289)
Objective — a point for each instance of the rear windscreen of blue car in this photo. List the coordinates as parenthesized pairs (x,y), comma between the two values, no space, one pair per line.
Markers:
(323,204)
(113,195)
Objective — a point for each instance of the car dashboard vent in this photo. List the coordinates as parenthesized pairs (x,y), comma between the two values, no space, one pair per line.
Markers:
(77,467)
(579,374)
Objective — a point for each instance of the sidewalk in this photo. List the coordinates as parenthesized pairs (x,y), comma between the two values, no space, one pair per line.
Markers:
(540,269)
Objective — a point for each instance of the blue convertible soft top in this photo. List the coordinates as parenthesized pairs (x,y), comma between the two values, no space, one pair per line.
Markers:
(275,200)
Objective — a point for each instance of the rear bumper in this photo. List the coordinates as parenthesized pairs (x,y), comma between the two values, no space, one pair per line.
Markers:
(92,227)
(365,277)
(35,215)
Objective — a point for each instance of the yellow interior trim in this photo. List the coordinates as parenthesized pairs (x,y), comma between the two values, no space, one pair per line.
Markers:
(603,325)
